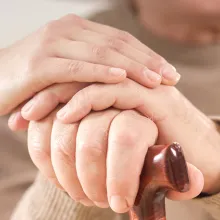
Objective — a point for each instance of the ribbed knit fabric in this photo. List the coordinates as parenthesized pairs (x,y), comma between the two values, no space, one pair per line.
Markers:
(43,201)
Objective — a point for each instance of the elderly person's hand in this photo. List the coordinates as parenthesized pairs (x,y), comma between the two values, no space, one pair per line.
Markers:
(98,161)
(74,49)
(176,119)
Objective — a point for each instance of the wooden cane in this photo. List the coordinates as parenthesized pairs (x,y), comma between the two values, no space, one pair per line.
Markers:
(164,169)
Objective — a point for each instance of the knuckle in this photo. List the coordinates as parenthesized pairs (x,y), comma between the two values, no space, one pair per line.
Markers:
(126,137)
(92,151)
(75,19)
(137,122)
(127,83)
(100,52)
(71,16)
(96,69)
(50,27)
(48,34)
(125,36)
(115,43)
(79,101)
(171,92)
(84,94)
(148,123)
(75,67)
(63,145)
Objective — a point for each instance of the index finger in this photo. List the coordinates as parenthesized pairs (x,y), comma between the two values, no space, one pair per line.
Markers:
(130,135)
(133,48)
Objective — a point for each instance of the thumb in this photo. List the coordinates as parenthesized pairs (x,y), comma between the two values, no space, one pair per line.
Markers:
(196,185)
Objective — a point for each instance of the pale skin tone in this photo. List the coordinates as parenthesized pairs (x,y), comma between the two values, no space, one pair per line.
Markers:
(98,161)
(165,106)
(73,49)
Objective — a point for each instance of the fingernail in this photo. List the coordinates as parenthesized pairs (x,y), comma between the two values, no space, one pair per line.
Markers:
(118,204)
(61,113)
(27,107)
(117,71)
(102,204)
(155,77)
(169,72)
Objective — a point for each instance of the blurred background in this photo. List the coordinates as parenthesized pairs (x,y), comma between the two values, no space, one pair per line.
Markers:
(21,17)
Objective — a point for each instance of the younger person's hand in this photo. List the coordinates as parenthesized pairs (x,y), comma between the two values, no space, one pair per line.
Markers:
(74,49)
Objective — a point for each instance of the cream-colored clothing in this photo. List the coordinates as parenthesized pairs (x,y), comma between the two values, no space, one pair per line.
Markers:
(200,70)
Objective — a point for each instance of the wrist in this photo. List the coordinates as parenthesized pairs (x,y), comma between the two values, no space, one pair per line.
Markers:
(208,142)
(210,151)
(197,134)
(213,185)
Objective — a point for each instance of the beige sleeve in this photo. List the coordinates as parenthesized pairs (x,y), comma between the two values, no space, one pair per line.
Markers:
(44,201)
(212,203)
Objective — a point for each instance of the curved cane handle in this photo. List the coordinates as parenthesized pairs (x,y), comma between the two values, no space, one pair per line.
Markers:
(164,169)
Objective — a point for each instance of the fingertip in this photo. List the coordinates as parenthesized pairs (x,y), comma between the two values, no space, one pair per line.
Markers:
(27,115)
(197,177)
(39,107)
(29,109)
(17,123)
(119,204)
(69,115)
(169,75)
(61,114)
(196,180)
(169,82)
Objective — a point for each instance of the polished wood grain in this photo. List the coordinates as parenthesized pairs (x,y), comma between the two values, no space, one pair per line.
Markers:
(164,169)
